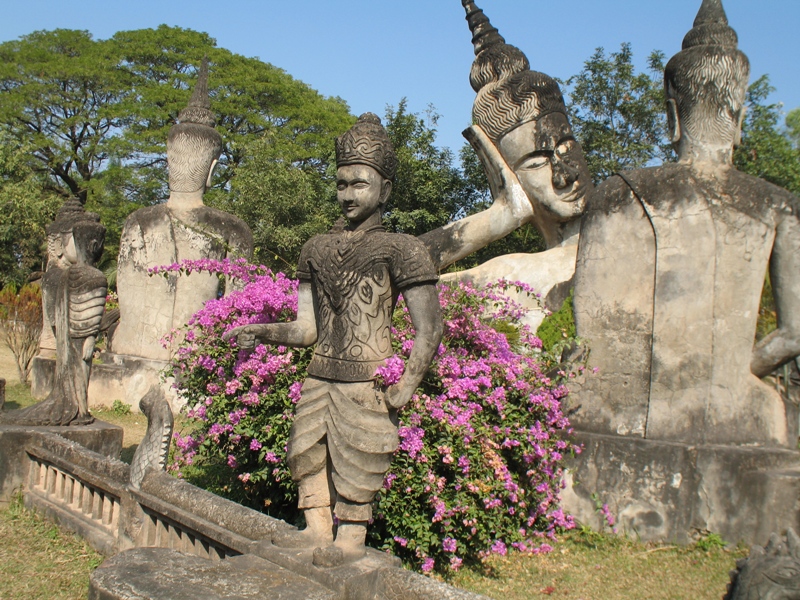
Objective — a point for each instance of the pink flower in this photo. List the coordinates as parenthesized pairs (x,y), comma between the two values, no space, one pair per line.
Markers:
(427,565)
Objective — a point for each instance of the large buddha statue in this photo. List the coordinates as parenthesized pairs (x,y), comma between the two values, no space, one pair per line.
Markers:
(182,228)
(536,170)
(670,268)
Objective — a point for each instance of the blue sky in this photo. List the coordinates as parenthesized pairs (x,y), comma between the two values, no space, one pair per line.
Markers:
(375,52)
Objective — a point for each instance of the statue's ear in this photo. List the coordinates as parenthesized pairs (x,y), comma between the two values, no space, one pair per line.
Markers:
(386,191)
(673,121)
(211,172)
(737,137)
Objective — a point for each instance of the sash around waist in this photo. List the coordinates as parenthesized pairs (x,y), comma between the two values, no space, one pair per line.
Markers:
(337,369)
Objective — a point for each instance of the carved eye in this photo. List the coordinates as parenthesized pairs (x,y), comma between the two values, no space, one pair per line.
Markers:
(535,161)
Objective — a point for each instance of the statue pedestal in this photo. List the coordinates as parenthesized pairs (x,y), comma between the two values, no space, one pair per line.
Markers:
(114,377)
(665,491)
(101,437)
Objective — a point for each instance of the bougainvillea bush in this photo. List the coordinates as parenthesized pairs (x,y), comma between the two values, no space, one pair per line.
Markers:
(478,469)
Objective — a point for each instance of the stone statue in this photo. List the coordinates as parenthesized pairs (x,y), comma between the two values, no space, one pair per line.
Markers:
(670,268)
(345,433)
(536,170)
(183,228)
(73,296)
(153,451)
(769,573)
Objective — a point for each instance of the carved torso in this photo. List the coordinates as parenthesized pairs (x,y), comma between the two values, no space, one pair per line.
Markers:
(356,278)
(668,281)
(150,307)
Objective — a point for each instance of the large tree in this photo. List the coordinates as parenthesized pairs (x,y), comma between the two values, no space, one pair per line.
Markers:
(94,114)
(617,113)
(25,207)
(766,151)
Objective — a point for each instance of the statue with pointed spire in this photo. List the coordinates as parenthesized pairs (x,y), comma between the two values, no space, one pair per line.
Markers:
(182,228)
(670,269)
(536,170)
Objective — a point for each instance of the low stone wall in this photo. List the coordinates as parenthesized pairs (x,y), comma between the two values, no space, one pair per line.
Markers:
(168,523)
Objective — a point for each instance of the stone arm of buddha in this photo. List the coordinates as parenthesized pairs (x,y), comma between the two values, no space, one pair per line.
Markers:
(783,344)
(510,210)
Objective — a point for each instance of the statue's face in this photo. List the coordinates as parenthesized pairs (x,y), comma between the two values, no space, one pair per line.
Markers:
(361,191)
(70,252)
(549,164)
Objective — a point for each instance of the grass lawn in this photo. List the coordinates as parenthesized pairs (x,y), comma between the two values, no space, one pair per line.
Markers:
(37,561)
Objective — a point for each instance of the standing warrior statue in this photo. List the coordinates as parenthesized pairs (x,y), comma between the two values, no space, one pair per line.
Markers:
(74,296)
(345,432)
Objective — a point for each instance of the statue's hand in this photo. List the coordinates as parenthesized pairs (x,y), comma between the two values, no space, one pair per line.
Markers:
(503,182)
(245,337)
(88,348)
(398,395)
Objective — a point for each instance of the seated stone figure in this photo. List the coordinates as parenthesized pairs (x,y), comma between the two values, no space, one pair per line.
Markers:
(670,268)
(536,170)
(182,228)
(345,429)
(74,301)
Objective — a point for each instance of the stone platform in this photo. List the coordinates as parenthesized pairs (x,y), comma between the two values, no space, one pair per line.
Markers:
(664,491)
(114,377)
(268,572)
(101,437)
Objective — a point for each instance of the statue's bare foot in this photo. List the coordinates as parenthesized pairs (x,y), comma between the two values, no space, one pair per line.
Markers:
(336,555)
(300,539)
(348,547)
(318,531)
(86,419)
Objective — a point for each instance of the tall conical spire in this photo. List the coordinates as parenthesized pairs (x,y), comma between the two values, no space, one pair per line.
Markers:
(711,12)
(199,108)
(484,34)
(711,27)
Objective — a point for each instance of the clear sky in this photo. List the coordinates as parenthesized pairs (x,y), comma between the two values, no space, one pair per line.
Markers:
(374,52)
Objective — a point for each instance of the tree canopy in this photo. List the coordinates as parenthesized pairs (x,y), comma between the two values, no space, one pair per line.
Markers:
(89,118)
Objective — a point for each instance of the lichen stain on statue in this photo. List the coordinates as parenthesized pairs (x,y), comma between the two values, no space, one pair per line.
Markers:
(345,429)
(181,229)
(74,295)
(670,268)
(536,170)
(769,573)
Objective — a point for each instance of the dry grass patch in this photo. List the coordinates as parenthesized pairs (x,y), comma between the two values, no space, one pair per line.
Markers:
(590,566)
(40,561)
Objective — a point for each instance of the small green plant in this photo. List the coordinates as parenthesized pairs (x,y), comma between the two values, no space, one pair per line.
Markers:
(119,408)
(710,541)
(558,327)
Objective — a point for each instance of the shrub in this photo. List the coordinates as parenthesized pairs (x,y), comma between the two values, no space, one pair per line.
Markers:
(478,468)
(21,321)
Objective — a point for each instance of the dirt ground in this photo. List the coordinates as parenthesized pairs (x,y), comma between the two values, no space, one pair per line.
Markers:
(8,366)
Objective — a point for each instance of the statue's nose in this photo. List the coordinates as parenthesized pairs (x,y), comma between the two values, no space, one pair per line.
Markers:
(564,174)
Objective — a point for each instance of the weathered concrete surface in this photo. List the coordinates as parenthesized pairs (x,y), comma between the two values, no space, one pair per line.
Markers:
(182,229)
(100,437)
(161,574)
(549,273)
(669,491)
(114,377)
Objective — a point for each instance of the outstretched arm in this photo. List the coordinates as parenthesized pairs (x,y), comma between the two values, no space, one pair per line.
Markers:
(511,209)
(300,332)
(783,344)
(423,308)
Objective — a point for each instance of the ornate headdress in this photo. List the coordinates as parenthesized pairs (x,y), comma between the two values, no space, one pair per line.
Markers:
(193,143)
(366,143)
(509,93)
(708,77)
(70,214)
